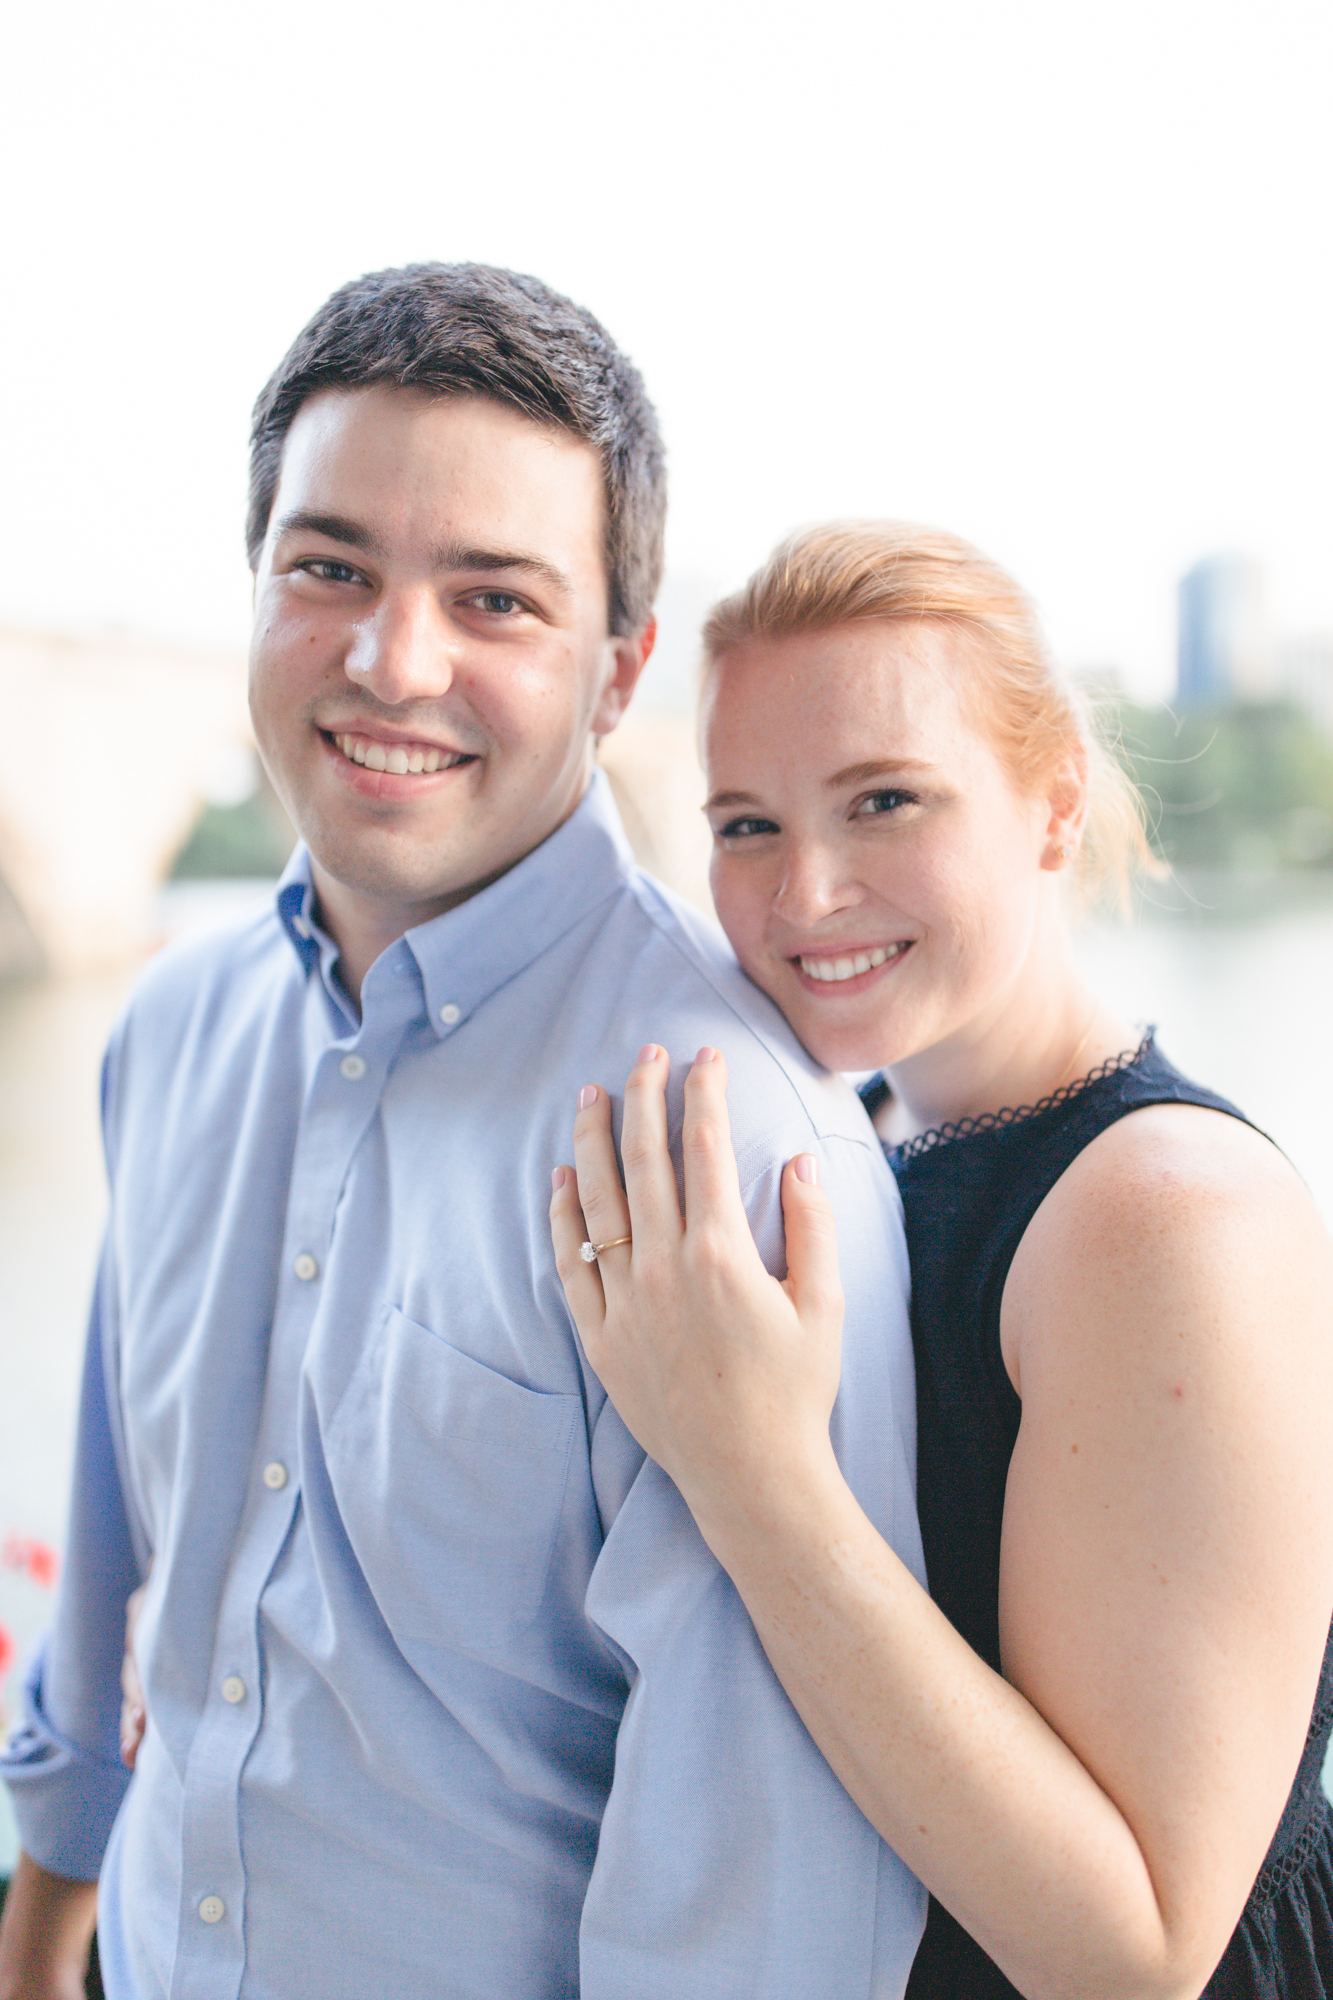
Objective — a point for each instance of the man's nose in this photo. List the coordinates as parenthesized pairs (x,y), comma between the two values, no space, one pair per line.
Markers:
(404,651)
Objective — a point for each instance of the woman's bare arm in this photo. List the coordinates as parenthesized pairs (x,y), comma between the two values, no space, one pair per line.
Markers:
(1095,1819)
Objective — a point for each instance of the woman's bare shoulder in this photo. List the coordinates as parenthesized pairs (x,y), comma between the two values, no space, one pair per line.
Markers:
(1177,1167)
(1173,1204)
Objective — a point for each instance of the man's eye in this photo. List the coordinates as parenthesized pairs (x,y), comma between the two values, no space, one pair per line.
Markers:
(875,803)
(327,570)
(500,603)
(744,828)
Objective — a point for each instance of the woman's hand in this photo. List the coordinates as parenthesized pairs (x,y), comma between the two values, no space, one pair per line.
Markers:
(722,1373)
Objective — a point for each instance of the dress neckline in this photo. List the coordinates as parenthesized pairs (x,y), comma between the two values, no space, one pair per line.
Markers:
(991,1121)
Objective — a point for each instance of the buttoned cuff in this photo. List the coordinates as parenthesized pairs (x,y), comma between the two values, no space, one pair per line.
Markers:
(65,1799)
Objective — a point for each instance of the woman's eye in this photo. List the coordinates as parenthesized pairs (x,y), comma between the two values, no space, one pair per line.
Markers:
(875,803)
(744,828)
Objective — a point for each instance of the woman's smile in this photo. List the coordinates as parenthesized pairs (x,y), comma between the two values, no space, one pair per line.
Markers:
(847,968)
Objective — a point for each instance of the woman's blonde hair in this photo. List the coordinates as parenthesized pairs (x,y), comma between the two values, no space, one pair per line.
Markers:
(842,572)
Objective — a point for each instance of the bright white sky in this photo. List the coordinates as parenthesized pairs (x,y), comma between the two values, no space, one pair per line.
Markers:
(1053,274)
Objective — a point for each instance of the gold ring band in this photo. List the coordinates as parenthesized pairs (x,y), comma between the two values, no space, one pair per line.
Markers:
(590,1252)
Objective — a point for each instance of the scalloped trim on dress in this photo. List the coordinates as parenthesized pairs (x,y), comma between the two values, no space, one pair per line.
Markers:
(967,1128)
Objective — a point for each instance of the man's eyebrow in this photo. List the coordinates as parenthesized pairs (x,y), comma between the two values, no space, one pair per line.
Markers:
(334,528)
(453,555)
(448,556)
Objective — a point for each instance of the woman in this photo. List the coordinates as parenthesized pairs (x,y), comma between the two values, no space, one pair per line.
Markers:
(1121,1318)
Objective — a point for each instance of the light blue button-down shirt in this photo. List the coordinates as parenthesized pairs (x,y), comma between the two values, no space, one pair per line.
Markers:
(446,1694)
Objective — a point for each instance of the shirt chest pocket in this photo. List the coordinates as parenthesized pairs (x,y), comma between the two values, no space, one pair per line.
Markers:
(450,1482)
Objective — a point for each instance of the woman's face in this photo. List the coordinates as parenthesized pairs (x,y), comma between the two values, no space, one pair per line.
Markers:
(875,869)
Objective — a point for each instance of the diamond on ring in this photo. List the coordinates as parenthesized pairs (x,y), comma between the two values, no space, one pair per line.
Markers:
(590,1252)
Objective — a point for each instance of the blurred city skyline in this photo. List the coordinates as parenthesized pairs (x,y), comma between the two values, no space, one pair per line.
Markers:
(1052,277)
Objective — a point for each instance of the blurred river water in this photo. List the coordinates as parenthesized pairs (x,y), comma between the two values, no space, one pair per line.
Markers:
(1237,977)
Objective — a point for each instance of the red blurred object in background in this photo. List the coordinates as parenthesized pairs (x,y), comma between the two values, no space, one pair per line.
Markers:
(25,1552)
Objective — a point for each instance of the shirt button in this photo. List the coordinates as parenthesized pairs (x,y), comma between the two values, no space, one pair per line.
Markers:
(353,1068)
(305,1266)
(275,1476)
(450,1014)
(212,1909)
(233,1689)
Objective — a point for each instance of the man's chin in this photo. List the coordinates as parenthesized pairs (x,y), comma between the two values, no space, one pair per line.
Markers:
(393,886)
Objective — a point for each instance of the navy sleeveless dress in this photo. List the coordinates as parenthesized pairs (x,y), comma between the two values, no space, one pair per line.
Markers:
(969,1192)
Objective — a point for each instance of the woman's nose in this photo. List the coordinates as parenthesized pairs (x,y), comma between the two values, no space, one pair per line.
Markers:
(813,887)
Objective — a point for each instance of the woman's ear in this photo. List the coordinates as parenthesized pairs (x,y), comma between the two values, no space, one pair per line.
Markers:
(1067,797)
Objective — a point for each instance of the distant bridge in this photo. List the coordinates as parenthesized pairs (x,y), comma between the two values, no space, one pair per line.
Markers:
(111,746)
(114,745)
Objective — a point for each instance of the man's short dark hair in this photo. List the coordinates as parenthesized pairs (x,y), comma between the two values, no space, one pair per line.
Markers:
(472,330)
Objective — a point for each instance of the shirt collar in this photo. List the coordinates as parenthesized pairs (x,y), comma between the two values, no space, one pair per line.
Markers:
(470,952)
(296,901)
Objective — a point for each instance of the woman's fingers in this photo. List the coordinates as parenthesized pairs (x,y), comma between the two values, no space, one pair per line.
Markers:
(650,1178)
(712,1187)
(814,1282)
(581,1280)
(605,1209)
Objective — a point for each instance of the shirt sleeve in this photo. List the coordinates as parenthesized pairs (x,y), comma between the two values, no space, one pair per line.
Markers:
(62,1762)
(731,1860)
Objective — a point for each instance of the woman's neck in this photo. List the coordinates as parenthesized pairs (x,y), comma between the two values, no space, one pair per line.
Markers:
(1046,1035)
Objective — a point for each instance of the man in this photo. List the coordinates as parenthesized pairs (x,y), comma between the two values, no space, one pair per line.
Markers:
(445,1693)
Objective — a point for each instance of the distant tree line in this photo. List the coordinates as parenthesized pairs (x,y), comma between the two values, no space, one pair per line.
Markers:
(253,839)
(1249,785)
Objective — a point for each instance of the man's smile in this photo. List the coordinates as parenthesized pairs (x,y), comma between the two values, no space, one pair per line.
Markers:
(398,759)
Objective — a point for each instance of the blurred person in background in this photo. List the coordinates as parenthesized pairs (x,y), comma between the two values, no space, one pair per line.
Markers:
(1099,1741)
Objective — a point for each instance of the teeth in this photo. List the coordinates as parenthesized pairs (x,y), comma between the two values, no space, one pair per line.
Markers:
(399,759)
(833,969)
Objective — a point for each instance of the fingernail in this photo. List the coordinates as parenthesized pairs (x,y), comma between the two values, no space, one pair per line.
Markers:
(558,1179)
(706,1055)
(648,1053)
(587,1096)
(807,1169)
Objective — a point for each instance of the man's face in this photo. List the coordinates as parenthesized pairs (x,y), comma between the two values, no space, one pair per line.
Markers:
(430,654)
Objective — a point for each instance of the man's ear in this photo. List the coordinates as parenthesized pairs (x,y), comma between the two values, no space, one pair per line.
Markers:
(630,657)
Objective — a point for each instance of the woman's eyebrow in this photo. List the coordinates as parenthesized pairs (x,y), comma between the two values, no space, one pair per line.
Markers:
(887,767)
(725,800)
